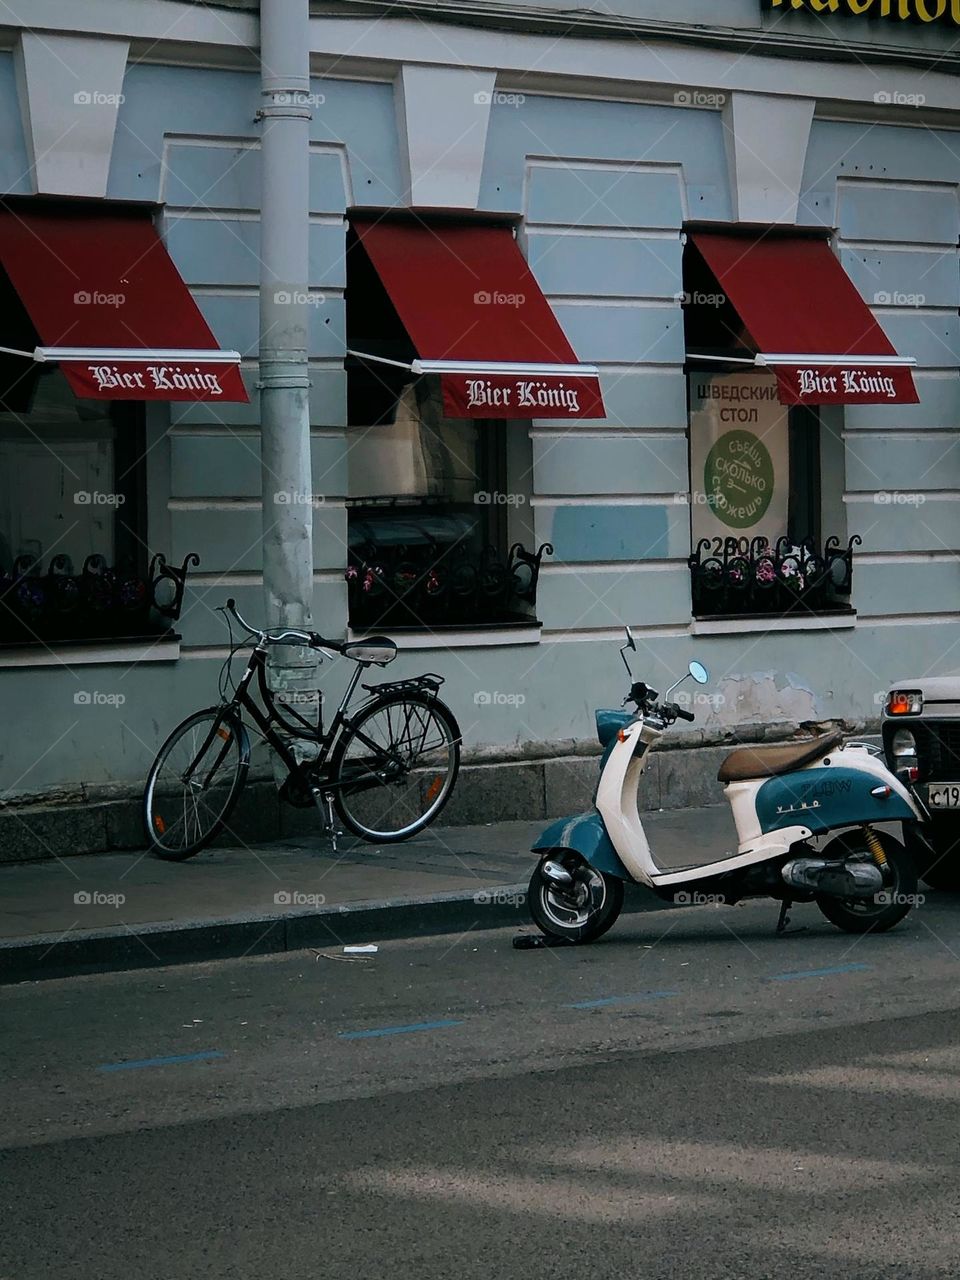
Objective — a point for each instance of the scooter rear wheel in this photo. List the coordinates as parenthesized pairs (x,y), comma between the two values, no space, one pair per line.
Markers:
(872,915)
(582,912)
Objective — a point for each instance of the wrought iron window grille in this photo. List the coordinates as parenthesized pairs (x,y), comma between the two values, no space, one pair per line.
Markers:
(733,577)
(412,586)
(99,603)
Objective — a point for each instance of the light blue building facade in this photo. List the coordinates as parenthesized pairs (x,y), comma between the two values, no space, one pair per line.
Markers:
(604,143)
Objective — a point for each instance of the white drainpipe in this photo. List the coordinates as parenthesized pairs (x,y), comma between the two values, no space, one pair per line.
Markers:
(284,341)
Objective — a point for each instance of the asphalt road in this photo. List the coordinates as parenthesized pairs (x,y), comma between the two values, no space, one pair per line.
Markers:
(692,1097)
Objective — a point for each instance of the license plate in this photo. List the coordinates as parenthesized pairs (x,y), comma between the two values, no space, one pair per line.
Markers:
(944,795)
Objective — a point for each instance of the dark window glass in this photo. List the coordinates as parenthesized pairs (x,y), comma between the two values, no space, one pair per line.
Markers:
(427,517)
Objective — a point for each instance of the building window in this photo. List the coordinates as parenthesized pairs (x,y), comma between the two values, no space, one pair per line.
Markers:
(73,560)
(760,482)
(436,532)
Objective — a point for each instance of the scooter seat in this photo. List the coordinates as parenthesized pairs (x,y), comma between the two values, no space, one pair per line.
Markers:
(747,763)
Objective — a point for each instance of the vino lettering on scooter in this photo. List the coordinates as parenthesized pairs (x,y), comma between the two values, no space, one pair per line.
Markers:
(784,798)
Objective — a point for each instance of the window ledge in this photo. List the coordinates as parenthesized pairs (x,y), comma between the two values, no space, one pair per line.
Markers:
(100,653)
(758,623)
(457,637)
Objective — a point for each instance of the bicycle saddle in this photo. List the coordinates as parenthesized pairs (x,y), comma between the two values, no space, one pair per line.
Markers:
(378,650)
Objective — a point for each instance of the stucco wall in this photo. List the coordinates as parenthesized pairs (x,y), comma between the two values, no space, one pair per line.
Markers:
(602,189)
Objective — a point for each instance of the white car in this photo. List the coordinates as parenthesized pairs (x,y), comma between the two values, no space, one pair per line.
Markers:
(921,742)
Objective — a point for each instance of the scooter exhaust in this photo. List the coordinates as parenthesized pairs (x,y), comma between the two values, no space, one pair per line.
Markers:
(836,877)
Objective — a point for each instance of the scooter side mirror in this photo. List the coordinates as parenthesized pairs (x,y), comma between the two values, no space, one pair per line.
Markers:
(699,672)
(632,645)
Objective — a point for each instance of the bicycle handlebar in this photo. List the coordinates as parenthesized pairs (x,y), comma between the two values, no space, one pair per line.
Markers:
(311,639)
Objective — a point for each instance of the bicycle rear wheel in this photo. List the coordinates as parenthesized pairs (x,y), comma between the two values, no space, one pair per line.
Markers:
(395,766)
(194,783)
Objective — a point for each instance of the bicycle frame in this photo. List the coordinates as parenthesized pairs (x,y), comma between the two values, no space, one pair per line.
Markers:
(266,721)
(390,725)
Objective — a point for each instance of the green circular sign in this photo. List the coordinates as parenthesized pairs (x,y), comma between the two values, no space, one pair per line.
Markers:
(738,479)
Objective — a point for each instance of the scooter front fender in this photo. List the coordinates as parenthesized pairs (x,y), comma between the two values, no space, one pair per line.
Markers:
(587,836)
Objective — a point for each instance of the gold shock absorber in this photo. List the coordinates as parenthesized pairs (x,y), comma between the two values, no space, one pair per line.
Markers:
(875,847)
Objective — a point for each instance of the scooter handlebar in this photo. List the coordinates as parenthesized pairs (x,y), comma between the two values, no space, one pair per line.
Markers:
(678,712)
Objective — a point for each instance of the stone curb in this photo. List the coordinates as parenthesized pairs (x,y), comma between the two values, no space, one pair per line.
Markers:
(46,956)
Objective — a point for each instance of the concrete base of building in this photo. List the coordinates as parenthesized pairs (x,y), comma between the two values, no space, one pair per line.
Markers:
(547,781)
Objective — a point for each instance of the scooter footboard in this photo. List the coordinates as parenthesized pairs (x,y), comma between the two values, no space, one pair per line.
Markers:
(585,835)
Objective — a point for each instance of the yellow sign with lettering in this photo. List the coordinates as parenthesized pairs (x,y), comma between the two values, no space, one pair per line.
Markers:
(942,11)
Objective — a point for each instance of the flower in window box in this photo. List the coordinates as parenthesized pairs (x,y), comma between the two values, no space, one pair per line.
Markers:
(792,573)
(434,584)
(352,574)
(766,572)
(132,593)
(30,596)
(373,579)
(405,578)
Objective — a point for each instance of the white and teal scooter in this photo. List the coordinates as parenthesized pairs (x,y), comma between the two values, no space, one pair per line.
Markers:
(783,798)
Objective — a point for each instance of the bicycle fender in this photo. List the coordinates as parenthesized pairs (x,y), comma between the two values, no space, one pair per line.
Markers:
(587,836)
(239,729)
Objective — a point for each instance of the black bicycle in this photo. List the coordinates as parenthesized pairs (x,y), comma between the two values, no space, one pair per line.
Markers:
(387,768)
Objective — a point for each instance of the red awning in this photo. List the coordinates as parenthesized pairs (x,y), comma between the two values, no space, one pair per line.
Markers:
(111,308)
(477,317)
(807,320)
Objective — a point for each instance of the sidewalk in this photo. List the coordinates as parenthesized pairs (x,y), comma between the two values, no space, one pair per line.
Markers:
(130,910)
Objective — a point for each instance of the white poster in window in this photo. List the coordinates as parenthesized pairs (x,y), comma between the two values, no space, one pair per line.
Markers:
(739,457)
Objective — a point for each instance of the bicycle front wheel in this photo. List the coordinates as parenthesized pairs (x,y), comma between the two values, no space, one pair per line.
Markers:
(395,766)
(194,783)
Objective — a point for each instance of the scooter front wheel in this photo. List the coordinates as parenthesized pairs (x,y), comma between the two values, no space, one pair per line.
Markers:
(580,911)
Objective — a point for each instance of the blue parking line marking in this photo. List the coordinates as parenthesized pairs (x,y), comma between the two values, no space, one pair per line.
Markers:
(400,1031)
(174,1060)
(817,973)
(638,998)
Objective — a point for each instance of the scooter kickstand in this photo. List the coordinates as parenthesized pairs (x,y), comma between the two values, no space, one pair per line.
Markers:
(783,922)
